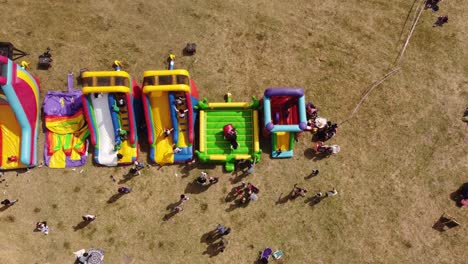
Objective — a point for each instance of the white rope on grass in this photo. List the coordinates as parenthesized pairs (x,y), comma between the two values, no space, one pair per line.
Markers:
(373,86)
(397,61)
(413,27)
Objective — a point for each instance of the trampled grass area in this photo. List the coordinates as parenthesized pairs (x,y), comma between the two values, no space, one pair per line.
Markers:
(402,155)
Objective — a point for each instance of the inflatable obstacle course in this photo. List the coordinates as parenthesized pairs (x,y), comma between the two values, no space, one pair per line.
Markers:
(284,116)
(108,103)
(19,116)
(213,146)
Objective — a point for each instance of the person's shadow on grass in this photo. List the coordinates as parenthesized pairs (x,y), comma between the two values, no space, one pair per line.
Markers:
(209,237)
(81,225)
(312,155)
(239,176)
(3,208)
(314,200)
(195,188)
(237,204)
(285,199)
(231,196)
(114,198)
(213,249)
(126,178)
(169,215)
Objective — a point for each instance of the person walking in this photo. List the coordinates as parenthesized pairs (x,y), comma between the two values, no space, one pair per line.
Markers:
(298,191)
(8,203)
(124,190)
(88,217)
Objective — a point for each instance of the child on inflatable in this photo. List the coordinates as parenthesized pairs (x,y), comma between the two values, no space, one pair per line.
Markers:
(230,134)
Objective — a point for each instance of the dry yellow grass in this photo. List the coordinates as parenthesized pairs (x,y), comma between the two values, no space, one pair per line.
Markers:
(402,155)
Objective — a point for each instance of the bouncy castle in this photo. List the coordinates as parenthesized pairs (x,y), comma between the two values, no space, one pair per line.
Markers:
(215,119)
(108,103)
(66,140)
(284,116)
(19,116)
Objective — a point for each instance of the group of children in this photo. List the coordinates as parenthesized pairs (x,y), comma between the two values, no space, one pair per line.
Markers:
(247,192)
(323,129)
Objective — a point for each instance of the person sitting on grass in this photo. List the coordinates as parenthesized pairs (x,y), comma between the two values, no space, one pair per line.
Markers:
(202,179)
(42,227)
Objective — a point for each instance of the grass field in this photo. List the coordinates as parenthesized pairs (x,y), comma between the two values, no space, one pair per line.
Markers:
(402,154)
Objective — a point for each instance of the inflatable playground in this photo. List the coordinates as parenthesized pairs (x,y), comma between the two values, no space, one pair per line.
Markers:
(108,103)
(168,99)
(19,116)
(111,109)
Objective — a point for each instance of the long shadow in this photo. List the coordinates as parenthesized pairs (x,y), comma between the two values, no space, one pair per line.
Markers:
(231,196)
(237,204)
(311,201)
(312,175)
(239,177)
(209,237)
(168,216)
(126,178)
(186,168)
(81,225)
(173,205)
(312,155)
(213,249)
(115,197)
(3,208)
(285,199)
(195,188)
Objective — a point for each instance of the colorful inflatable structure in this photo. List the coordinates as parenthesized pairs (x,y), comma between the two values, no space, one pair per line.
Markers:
(66,143)
(108,102)
(19,116)
(214,147)
(284,116)
(168,99)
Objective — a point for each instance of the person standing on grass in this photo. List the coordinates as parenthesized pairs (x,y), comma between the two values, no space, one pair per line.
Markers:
(88,217)
(124,190)
(222,230)
(441,20)
(332,192)
(298,191)
(183,198)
